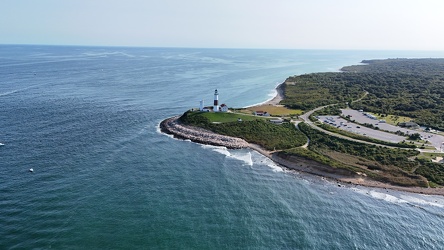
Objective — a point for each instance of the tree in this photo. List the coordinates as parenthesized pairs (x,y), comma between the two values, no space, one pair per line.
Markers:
(415,136)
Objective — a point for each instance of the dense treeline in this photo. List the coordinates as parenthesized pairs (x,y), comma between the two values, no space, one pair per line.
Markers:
(313,90)
(270,136)
(428,66)
(404,87)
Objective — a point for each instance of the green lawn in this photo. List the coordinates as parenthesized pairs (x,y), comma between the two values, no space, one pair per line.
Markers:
(276,110)
(228,117)
(393,119)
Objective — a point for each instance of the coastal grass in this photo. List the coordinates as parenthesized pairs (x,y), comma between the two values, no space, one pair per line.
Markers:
(275,110)
(223,117)
(383,164)
(392,119)
(266,134)
(258,131)
(434,172)
(429,156)
(312,155)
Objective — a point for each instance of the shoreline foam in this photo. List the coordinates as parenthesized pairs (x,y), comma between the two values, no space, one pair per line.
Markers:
(278,95)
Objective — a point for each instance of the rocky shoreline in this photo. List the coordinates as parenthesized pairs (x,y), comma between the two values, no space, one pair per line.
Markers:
(174,127)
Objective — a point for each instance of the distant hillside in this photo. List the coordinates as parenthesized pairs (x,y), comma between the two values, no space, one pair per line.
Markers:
(405,87)
(427,66)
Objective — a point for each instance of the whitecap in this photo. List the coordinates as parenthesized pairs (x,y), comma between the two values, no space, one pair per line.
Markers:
(241,155)
(411,199)
(218,149)
(275,167)
(386,197)
(9,92)
(105,54)
(245,157)
(261,159)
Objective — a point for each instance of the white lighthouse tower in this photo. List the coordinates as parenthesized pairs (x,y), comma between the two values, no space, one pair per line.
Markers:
(201,105)
(216,101)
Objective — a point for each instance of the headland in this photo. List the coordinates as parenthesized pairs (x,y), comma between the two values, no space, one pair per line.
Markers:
(341,166)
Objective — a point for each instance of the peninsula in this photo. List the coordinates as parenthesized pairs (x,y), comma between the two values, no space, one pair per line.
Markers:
(319,123)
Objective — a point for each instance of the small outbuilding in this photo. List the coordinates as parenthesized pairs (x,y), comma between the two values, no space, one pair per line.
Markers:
(223,108)
(277,121)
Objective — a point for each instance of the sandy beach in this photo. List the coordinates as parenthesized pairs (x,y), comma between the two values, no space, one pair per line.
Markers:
(279,96)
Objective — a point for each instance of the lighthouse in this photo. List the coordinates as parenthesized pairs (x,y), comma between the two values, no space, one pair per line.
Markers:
(216,101)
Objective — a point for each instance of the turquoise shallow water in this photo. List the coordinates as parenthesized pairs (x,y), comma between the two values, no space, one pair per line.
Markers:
(86,120)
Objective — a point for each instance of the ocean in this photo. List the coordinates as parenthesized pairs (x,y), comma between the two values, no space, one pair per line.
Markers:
(85,119)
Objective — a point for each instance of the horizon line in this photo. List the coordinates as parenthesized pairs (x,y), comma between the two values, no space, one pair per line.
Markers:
(196,47)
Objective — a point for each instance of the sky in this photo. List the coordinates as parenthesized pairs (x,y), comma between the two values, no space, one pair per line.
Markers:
(277,24)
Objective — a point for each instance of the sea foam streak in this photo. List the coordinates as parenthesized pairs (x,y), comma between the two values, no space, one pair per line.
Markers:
(411,199)
(245,157)
(218,149)
(240,155)
(379,195)
(271,96)
(261,159)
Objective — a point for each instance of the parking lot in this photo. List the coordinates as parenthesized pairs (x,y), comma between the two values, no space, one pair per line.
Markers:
(343,124)
(436,140)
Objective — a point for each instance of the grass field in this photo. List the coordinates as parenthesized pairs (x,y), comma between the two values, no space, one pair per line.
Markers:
(274,110)
(393,119)
(430,156)
(229,117)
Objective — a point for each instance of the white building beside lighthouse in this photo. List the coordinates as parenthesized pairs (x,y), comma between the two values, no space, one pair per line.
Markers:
(201,105)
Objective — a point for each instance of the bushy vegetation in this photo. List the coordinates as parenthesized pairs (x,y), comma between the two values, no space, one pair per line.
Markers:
(259,131)
(312,155)
(266,134)
(330,110)
(386,156)
(384,164)
(319,89)
(403,87)
(434,172)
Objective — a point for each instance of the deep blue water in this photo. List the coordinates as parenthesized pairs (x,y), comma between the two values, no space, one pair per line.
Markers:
(86,120)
